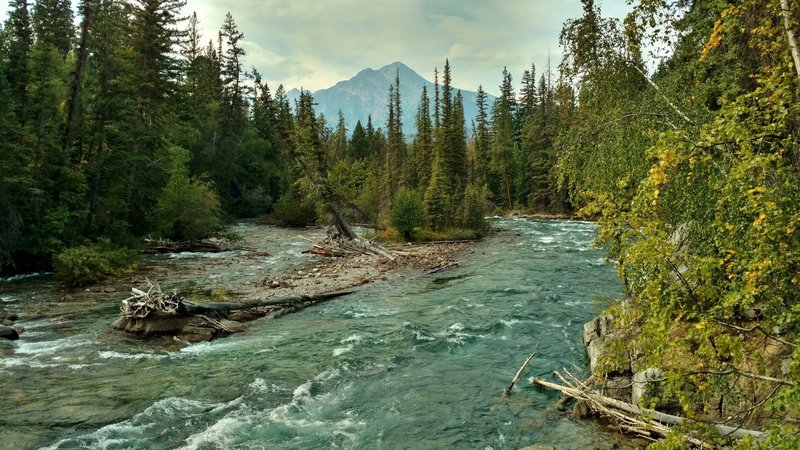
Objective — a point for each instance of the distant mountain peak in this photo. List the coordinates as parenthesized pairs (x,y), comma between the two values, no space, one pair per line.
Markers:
(365,94)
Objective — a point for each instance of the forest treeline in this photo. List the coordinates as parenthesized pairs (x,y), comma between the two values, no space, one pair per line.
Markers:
(132,124)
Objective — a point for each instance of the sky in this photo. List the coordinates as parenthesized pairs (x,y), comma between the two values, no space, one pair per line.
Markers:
(315,43)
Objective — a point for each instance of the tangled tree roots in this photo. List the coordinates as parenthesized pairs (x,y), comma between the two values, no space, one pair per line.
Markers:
(141,303)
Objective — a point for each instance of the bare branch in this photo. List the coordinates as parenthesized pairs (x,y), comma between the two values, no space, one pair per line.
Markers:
(758,327)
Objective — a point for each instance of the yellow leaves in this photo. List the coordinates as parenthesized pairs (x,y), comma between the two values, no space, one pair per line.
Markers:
(700,325)
(759,220)
(757,190)
(713,41)
(729,226)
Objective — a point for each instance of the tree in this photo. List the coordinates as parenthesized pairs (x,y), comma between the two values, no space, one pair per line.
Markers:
(52,24)
(423,143)
(407,212)
(188,208)
(482,140)
(358,147)
(502,145)
(19,41)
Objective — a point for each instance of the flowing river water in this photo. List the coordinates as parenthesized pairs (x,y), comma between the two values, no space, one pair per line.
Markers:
(418,362)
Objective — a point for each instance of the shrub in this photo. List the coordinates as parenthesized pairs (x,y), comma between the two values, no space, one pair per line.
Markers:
(88,264)
(407,212)
(293,211)
(189,207)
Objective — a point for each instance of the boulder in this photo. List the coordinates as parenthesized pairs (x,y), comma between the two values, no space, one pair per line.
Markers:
(12,317)
(6,322)
(8,333)
(591,331)
(618,388)
(595,350)
(152,325)
(645,385)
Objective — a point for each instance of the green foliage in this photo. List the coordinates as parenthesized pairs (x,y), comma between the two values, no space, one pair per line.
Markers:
(293,210)
(437,200)
(88,264)
(701,216)
(407,213)
(188,208)
(475,208)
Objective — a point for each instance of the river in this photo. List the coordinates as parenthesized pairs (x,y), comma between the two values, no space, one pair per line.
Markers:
(418,362)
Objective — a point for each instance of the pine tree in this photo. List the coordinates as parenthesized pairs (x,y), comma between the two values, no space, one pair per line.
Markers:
(19,43)
(502,145)
(52,24)
(395,145)
(358,147)
(232,62)
(423,142)
(339,139)
(482,140)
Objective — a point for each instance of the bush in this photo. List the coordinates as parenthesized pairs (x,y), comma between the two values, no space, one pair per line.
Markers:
(88,264)
(292,211)
(189,207)
(407,213)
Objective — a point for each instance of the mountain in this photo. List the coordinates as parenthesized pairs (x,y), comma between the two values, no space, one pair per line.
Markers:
(367,93)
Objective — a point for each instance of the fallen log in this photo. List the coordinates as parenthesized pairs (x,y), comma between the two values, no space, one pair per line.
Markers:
(199,308)
(633,418)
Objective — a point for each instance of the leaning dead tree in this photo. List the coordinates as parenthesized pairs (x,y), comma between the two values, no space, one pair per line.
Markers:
(312,160)
(647,423)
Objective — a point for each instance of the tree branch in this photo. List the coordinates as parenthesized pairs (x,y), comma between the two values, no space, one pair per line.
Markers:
(759,328)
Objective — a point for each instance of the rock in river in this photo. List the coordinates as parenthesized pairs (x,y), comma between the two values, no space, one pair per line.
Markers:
(8,333)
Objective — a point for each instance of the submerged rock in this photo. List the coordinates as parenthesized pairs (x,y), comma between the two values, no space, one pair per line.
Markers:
(8,333)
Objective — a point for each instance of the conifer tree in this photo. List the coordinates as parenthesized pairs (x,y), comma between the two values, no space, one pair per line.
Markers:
(358,147)
(19,41)
(502,145)
(482,140)
(52,24)
(423,142)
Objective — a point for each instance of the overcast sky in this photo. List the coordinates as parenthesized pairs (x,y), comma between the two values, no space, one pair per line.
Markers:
(315,43)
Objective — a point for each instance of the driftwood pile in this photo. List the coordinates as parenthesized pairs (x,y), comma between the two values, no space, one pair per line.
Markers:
(339,247)
(646,423)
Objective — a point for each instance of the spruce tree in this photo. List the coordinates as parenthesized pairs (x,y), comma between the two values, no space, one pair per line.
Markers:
(358,147)
(19,41)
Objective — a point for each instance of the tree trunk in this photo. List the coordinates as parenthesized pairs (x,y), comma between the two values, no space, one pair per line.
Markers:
(83,55)
(199,308)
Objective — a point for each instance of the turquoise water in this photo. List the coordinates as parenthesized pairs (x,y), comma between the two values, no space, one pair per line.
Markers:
(417,363)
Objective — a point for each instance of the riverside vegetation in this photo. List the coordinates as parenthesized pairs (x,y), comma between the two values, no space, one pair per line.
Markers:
(692,172)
